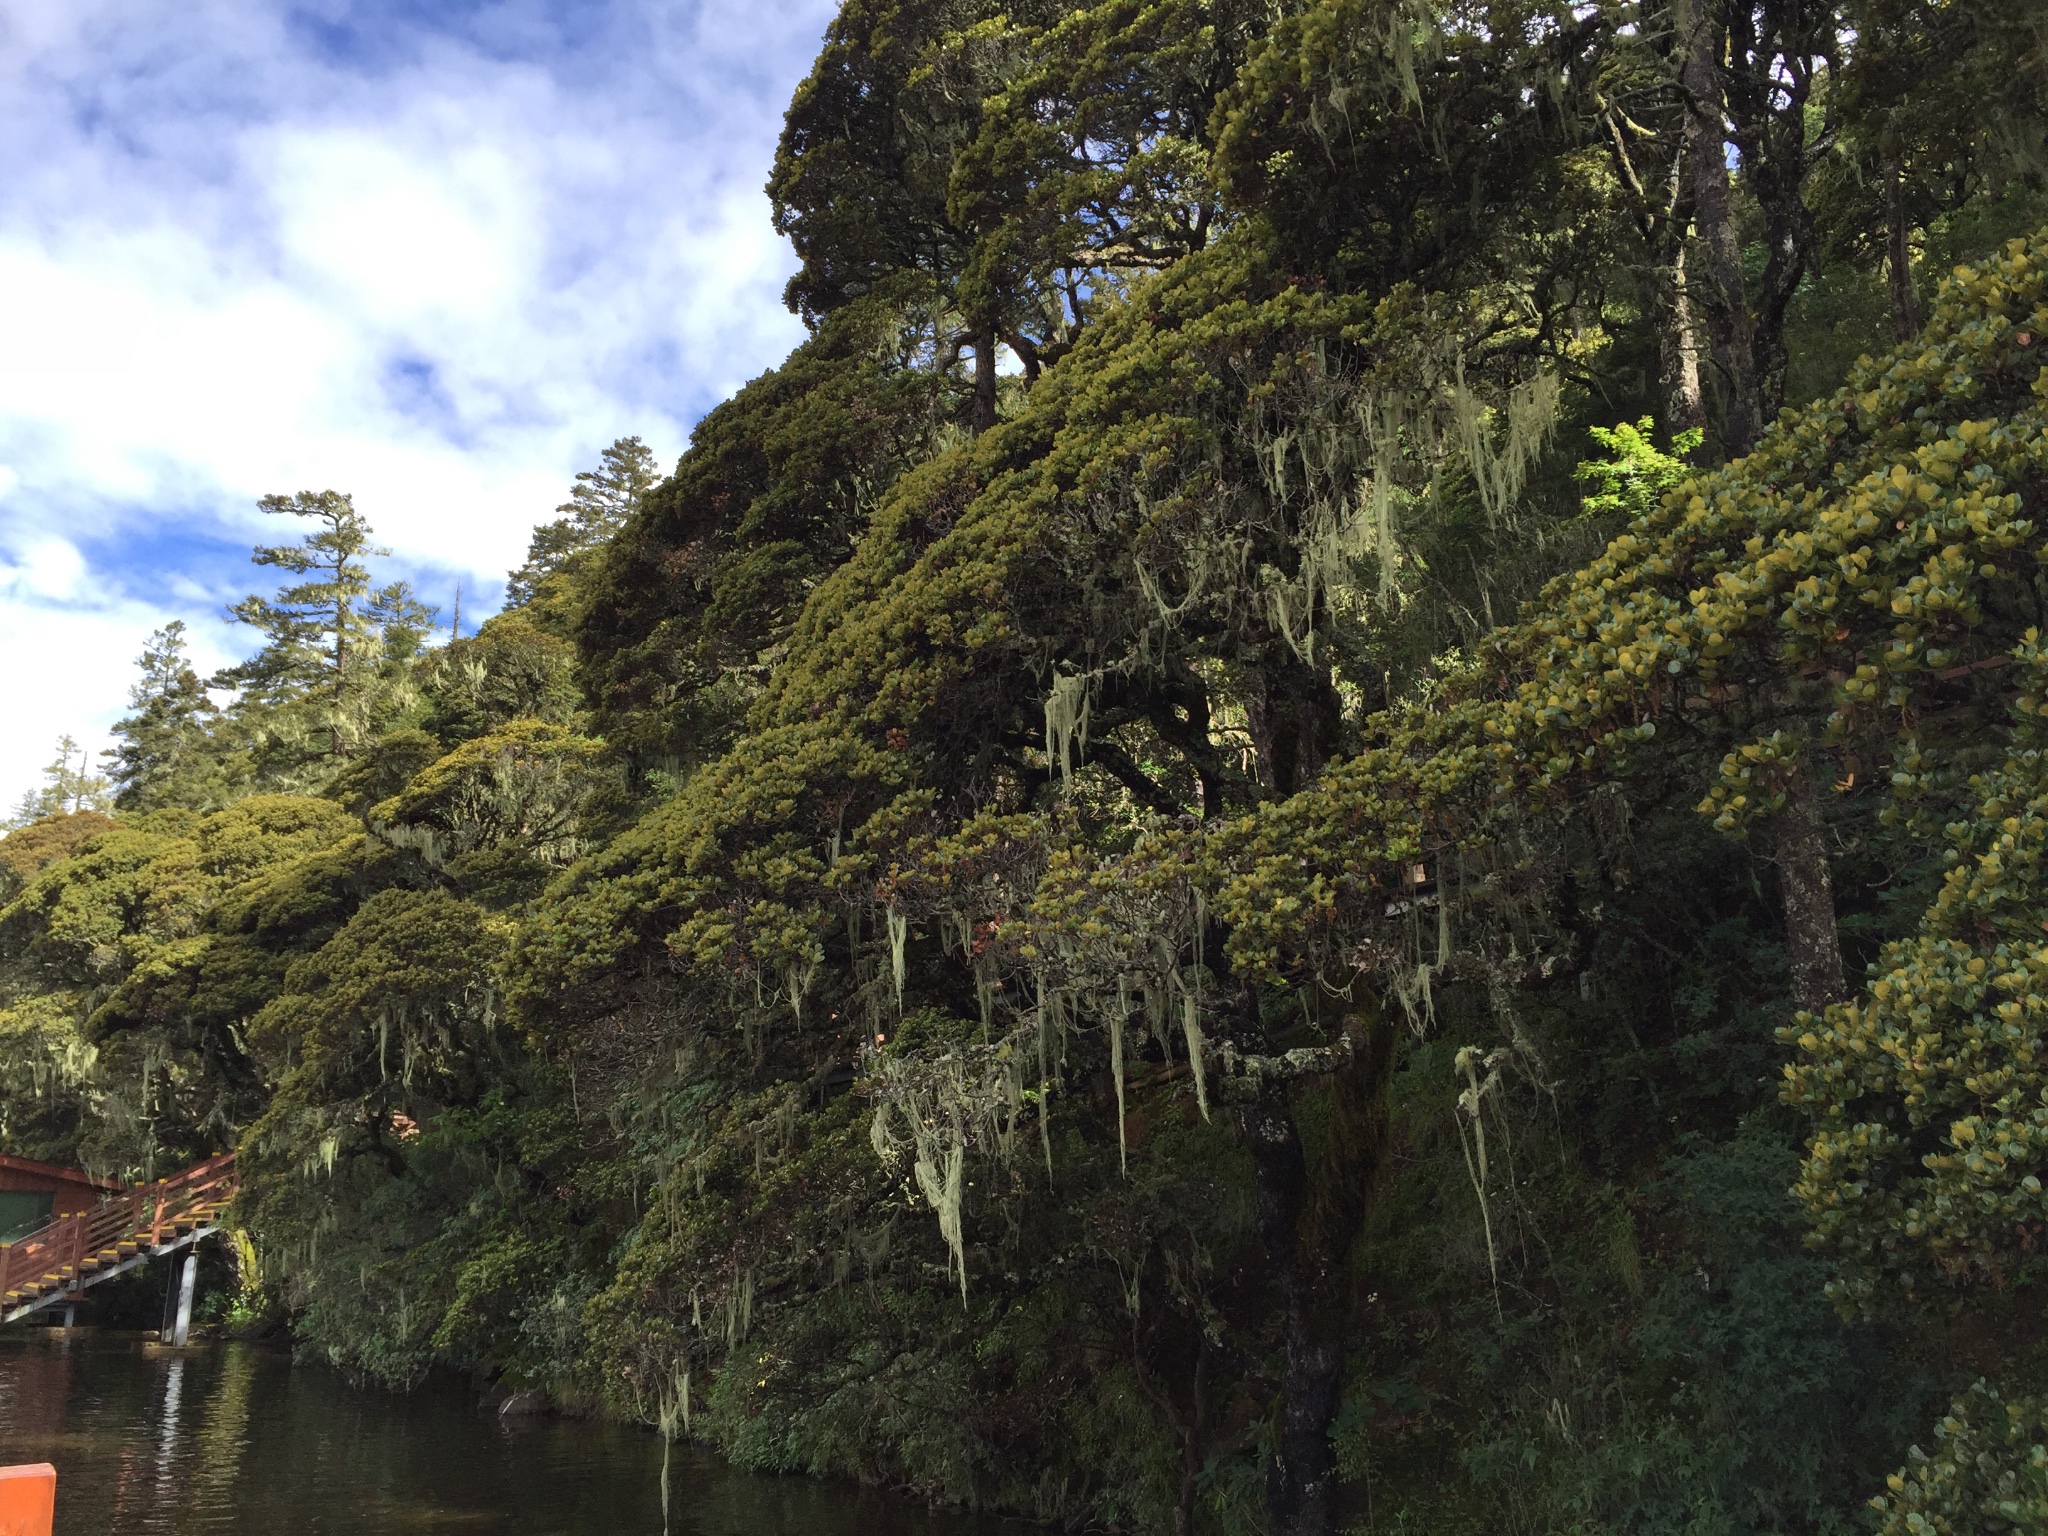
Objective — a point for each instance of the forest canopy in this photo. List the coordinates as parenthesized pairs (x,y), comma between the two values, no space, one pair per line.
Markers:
(1331,818)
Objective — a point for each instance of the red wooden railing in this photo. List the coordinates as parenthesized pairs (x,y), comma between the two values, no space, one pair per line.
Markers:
(65,1255)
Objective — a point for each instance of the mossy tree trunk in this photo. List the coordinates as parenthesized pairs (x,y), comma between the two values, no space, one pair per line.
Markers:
(1307,1219)
(1678,351)
(1723,294)
(1899,256)
(1813,947)
(984,377)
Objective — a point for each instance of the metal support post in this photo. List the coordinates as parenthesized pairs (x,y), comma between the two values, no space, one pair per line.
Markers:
(185,1285)
(173,1271)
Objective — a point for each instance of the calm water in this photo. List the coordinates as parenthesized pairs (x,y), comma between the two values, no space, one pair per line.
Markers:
(237,1440)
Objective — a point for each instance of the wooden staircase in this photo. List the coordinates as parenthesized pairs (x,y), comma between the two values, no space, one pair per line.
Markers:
(58,1262)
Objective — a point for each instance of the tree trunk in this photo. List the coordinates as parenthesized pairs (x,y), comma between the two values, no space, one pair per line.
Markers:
(1307,1227)
(1772,53)
(1812,946)
(337,734)
(1293,719)
(1779,185)
(1724,299)
(1299,1475)
(1650,165)
(337,741)
(1179,711)
(985,379)
(1899,257)
(1678,352)
(1189,1428)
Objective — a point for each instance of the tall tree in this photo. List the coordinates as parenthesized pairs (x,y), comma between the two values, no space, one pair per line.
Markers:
(863,181)
(330,641)
(1642,118)
(597,508)
(1091,161)
(1754,75)
(165,752)
(1941,101)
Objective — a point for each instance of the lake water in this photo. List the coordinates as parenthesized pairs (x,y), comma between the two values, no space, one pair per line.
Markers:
(232,1440)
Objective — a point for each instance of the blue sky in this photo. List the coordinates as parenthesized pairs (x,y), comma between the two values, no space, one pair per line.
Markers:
(436,255)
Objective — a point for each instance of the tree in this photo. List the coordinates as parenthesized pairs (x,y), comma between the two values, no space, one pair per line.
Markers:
(597,508)
(68,787)
(862,184)
(330,641)
(1941,102)
(27,851)
(166,754)
(1091,163)
(1642,119)
(676,618)
(1216,822)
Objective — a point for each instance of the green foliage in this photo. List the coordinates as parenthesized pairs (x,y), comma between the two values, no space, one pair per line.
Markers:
(500,812)
(371,1041)
(512,669)
(28,850)
(66,789)
(688,608)
(1093,942)
(382,769)
(166,756)
(1636,475)
(1926,1167)
(334,648)
(598,506)
(122,940)
(1988,1471)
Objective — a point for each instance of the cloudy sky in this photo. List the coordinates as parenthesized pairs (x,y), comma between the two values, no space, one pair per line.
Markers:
(435,254)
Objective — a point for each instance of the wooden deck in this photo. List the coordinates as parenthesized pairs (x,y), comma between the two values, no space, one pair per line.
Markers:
(74,1252)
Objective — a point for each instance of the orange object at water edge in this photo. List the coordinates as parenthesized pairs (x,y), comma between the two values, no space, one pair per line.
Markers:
(28,1500)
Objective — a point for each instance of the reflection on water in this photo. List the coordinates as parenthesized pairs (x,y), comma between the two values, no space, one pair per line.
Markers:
(235,1441)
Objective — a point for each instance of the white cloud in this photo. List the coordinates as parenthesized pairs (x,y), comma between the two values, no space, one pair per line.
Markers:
(406,227)
(68,658)
(48,569)
(245,249)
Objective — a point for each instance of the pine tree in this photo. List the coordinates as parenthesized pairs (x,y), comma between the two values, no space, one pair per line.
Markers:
(166,753)
(69,785)
(596,509)
(399,625)
(401,622)
(323,667)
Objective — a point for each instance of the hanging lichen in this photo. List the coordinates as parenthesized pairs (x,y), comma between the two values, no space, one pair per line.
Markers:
(1044,1100)
(1411,986)
(1066,723)
(941,1184)
(1471,1106)
(672,1417)
(932,1106)
(1191,1026)
(796,982)
(1382,430)
(899,932)
(1498,471)
(1116,1070)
